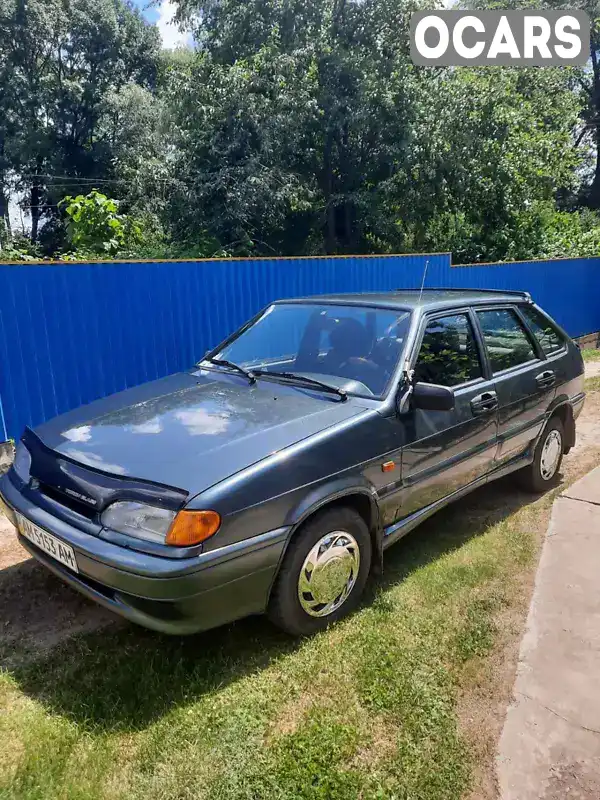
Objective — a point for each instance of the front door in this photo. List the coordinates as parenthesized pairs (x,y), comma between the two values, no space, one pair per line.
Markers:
(447,450)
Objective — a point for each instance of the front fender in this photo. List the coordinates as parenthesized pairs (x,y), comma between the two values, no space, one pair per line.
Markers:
(335,491)
(330,492)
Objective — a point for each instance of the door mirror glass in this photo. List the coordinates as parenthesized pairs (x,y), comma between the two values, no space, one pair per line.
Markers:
(431,397)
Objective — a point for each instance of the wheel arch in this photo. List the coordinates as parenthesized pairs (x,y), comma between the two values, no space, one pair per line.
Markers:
(563,409)
(361,497)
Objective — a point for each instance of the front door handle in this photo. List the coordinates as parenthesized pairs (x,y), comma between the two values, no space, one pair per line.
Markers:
(484,403)
(545,379)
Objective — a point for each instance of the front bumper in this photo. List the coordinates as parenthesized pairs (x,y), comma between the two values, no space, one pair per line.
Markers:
(175,596)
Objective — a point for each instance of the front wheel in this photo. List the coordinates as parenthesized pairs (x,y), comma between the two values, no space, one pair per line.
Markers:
(324,572)
(538,476)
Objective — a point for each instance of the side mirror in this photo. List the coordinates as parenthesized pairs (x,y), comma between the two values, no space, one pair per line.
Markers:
(431,397)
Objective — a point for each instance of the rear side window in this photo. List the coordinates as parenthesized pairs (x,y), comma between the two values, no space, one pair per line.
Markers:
(507,342)
(448,354)
(549,338)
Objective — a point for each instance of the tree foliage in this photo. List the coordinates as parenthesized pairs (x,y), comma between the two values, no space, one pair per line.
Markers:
(293,127)
(94,224)
(60,62)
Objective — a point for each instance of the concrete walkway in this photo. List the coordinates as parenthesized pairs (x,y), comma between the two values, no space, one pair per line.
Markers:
(592,369)
(550,746)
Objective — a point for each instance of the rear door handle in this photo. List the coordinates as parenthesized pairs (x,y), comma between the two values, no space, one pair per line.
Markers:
(483,403)
(545,379)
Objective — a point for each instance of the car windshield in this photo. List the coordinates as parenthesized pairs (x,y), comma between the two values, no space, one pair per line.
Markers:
(355,348)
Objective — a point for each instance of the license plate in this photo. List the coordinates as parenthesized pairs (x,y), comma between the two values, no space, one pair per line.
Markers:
(49,544)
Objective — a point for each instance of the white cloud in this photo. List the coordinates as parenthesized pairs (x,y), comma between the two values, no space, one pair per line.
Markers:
(81,434)
(151,426)
(93,460)
(201,422)
(170,33)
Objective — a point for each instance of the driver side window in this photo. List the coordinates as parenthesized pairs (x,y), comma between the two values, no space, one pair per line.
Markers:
(448,354)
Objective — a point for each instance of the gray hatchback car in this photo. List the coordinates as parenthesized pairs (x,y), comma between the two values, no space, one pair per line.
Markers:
(272,475)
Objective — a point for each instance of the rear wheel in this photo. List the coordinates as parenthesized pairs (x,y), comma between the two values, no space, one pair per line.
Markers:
(540,474)
(323,574)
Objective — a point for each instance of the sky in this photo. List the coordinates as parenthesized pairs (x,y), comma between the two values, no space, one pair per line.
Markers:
(162,14)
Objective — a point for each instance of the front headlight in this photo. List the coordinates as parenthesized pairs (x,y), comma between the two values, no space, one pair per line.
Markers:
(140,520)
(22,462)
(159,525)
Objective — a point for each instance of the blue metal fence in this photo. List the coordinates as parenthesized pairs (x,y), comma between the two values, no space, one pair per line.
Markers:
(70,333)
(568,289)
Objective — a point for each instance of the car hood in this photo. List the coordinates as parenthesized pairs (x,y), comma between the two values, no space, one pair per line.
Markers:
(191,430)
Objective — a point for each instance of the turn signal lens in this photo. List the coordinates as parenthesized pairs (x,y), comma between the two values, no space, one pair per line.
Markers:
(192,527)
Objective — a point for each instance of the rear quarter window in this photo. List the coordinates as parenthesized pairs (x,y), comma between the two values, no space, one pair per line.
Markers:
(505,338)
(548,337)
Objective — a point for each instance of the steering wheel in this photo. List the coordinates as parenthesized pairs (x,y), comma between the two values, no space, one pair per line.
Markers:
(358,368)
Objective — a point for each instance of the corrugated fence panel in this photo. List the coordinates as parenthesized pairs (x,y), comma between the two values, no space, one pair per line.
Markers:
(70,333)
(568,289)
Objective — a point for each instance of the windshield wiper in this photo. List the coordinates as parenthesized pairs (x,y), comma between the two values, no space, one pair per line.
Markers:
(223,362)
(292,376)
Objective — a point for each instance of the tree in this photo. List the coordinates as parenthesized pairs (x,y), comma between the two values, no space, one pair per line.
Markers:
(587,83)
(96,228)
(298,111)
(494,146)
(589,79)
(60,59)
(295,127)
(306,128)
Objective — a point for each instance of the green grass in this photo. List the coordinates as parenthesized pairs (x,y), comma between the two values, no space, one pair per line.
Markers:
(370,708)
(592,384)
(591,355)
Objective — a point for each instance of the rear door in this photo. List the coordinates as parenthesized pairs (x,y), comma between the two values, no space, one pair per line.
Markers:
(447,450)
(524,385)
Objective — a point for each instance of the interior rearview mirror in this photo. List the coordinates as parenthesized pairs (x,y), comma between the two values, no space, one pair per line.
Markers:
(431,397)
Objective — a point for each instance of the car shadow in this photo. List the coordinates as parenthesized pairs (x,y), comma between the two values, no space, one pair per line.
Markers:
(38,611)
(122,677)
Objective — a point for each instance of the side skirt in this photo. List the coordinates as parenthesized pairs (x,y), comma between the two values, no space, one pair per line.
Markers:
(396,531)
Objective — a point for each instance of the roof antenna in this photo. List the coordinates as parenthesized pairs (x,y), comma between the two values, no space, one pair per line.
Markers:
(423,281)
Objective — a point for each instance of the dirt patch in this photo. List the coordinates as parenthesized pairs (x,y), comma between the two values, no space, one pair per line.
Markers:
(488,688)
(592,369)
(11,551)
(588,426)
(38,610)
(379,747)
(292,715)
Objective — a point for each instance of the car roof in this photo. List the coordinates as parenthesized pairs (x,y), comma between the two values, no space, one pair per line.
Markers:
(427,299)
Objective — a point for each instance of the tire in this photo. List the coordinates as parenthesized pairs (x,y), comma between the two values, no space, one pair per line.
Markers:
(343,562)
(540,474)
